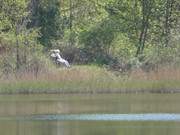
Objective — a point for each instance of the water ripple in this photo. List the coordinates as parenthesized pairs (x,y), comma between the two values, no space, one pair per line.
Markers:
(109,117)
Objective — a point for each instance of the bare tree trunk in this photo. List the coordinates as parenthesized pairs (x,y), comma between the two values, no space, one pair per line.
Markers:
(33,6)
(135,19)
(146,10)
(17,49)
(168,13)
(70,21)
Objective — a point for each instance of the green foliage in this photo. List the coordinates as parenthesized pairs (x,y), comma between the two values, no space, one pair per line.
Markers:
(110,32)
(97,42)
(48,18)
(122,47)
(19,44)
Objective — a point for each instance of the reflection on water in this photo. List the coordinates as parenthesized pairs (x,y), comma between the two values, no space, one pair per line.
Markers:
(148,114)
(88,128)
(99,117)
(107,117)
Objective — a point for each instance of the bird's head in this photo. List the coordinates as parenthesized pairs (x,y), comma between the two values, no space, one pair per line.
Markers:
(53,55)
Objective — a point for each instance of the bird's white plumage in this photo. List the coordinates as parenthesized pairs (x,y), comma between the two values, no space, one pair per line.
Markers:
(56,54)
(55,51)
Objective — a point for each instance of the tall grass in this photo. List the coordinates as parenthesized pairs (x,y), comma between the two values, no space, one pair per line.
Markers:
(93,79)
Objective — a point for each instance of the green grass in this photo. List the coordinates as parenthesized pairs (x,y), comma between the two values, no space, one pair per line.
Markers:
(89,79)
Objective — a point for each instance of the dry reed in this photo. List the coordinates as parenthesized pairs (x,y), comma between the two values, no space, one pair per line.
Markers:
(92,79)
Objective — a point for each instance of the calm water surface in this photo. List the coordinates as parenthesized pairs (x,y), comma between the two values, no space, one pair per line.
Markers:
(105,114)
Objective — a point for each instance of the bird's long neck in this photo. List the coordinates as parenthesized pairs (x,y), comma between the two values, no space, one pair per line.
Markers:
(58,56)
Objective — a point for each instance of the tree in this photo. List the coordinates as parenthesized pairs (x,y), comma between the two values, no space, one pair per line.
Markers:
(46,16)
(14,31)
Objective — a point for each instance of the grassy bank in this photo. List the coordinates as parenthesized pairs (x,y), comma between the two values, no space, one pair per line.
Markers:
(92,79)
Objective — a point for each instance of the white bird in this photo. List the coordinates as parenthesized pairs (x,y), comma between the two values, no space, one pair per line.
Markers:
(56,54)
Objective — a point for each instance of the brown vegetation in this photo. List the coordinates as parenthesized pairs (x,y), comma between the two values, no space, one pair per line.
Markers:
(92,79)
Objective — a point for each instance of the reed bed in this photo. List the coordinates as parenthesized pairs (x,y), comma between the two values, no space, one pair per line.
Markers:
(93,79)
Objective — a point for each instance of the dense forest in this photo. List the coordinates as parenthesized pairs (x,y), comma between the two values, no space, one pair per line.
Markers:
(118,34)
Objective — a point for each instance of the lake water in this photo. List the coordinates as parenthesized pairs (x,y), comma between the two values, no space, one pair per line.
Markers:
(101,114)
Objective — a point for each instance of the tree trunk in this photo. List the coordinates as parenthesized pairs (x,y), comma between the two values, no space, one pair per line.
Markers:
(70,21)
(146,10)
(33,8)
(17,50)
(167,25)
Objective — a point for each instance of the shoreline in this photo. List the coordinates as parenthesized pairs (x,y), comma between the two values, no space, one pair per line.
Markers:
(91,92)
